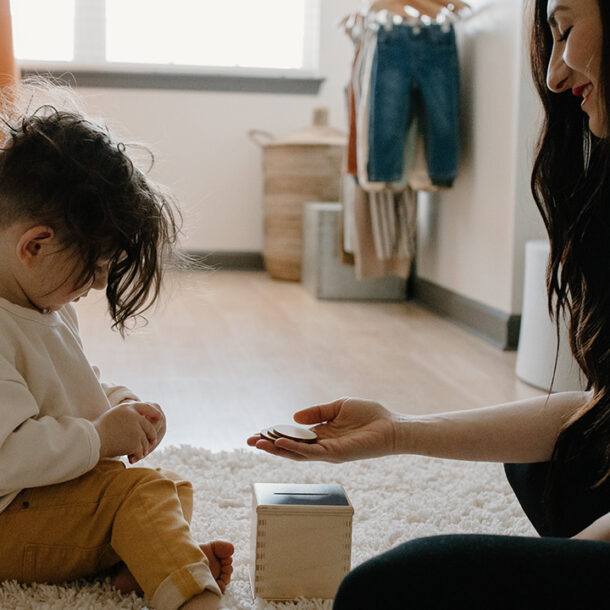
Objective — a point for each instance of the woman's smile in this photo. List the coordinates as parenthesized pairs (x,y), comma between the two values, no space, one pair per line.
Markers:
(583,91)
(576,56)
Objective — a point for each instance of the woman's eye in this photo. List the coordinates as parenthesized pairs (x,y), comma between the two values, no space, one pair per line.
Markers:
(563,37)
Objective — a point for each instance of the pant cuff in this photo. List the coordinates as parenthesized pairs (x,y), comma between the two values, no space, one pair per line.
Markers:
(445,183)
(182,585)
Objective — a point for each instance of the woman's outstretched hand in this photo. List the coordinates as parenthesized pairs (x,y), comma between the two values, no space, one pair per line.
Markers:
(347,429)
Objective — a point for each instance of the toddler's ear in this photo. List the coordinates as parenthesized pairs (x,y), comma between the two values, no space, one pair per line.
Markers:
(32,243)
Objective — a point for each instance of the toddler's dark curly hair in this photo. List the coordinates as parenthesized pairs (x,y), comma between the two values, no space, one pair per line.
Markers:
(60,169)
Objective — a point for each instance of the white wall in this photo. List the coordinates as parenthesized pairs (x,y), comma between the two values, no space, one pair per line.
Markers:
(200,139)
(470,239)
(527,220)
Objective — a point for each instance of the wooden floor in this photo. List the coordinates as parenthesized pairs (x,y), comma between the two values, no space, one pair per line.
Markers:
(228,353)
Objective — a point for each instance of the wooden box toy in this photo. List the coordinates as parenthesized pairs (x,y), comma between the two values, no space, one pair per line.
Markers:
(301,540)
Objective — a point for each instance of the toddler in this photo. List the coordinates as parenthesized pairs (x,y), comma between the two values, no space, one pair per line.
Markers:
(76,214)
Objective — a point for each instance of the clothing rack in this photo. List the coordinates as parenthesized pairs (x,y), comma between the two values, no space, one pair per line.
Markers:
(431,10)
(412,12)
(385,171)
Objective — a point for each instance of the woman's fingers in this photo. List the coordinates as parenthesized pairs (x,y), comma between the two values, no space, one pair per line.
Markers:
(259,442)
(273,449)
(306,450)
(293,450)
(319,413)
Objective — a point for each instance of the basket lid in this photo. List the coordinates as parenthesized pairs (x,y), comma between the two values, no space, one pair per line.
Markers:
(318,133)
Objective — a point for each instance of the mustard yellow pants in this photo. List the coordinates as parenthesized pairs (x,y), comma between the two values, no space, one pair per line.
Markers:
(111,514)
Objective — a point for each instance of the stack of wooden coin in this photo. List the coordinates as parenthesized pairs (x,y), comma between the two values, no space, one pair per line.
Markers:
(295,433)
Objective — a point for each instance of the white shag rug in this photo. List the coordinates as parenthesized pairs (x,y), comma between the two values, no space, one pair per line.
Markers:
(395,499)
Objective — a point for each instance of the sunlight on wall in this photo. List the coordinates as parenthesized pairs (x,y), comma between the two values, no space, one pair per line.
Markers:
(239,33)
(276,34)
(31,20)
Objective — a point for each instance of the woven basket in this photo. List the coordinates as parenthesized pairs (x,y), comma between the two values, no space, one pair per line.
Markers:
(302,167)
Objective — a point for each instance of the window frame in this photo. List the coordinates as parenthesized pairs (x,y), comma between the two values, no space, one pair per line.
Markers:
(94,71)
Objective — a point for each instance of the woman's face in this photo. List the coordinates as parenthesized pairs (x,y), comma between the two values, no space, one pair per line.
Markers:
(576,59)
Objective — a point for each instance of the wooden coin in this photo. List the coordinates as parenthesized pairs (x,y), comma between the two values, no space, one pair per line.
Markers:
(295,433)
(268,434)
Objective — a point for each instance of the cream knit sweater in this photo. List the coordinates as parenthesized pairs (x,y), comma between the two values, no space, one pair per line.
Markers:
(49,396)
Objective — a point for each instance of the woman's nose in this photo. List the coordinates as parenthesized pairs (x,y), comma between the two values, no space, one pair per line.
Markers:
(558,74)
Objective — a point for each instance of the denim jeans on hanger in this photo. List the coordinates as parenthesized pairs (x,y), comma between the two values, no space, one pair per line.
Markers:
(414,64)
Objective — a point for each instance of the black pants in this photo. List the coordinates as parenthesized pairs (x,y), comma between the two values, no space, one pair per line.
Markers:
(484,572)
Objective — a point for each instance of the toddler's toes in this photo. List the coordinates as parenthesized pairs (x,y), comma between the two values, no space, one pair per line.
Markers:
(213,562)
(225,577)
(222,549)
(219,554)
(225,574)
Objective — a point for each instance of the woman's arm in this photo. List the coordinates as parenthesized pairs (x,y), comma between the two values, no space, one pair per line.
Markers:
(352,429)
(598,530)
(521,431)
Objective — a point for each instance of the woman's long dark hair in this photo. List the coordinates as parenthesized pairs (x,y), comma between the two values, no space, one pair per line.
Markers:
(571,185)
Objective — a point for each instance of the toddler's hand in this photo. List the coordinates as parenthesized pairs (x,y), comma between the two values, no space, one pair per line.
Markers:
(156,417)
(127,430)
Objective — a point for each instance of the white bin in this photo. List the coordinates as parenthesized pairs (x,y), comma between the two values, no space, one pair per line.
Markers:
(538,336)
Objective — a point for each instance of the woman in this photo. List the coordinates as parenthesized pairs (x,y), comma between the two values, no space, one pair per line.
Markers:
(556,448)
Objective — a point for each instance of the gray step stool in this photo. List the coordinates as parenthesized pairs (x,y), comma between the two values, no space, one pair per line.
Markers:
(323,274)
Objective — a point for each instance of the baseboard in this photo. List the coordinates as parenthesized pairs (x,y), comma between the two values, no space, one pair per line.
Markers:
(228,260)
(495,326)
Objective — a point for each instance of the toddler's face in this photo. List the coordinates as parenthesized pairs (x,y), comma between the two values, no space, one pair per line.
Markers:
(59,280)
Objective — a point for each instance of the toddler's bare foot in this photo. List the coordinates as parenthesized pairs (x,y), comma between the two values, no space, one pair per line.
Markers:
(220,558)
(218,552)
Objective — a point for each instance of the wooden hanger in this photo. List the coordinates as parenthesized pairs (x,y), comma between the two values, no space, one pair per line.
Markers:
(351,22)
(429,8)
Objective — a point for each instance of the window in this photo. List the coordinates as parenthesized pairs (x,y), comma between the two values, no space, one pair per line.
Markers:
(237,36)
